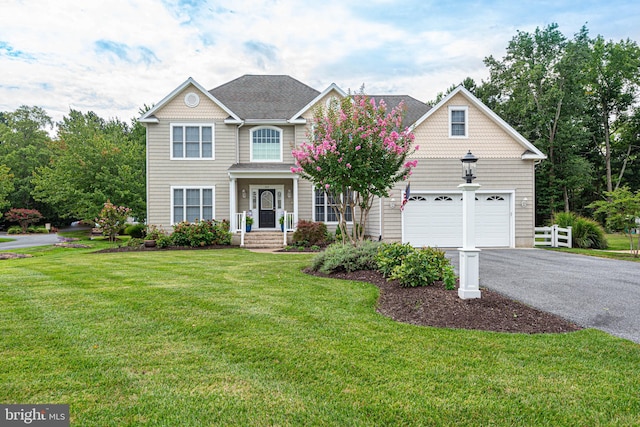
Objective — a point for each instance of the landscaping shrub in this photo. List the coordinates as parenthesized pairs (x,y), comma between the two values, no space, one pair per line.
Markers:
(38,230)
(112,220)
(309,233)
(348,258)
(136,231)
(14,229)
(201,233)
(424,266)
(585,233)
(24,217)
(135,242)
(390,255)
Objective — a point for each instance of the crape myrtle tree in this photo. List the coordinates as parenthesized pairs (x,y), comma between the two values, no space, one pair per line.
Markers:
(356,151)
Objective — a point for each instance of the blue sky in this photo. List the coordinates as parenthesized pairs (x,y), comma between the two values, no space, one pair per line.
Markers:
(113,57)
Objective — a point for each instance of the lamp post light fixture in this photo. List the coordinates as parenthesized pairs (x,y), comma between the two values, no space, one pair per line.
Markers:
(469,254)
(469,167)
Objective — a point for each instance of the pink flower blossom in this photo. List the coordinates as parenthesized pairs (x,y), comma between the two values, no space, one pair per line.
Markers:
(358,147)
(318,168)
(348,165)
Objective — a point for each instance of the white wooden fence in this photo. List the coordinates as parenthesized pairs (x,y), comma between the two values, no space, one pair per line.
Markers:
(554,236)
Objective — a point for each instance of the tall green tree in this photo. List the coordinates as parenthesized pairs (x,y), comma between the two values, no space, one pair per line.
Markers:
(23,148)
(537,88)
(612,84)
(6,186)
(93,161)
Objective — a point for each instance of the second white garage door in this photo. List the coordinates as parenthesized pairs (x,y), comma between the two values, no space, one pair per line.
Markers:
(436,220)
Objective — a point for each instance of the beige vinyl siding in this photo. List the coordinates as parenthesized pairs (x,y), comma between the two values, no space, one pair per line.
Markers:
(176,109)
(323,102)
(305,202)
(288,138)
(445,175)
(485,137)
(373,221)
(162,173)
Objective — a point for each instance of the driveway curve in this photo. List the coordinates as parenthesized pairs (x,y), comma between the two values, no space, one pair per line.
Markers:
(27,240)
(592,292)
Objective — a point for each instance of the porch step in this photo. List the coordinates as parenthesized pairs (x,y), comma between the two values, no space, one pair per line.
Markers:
(263,240)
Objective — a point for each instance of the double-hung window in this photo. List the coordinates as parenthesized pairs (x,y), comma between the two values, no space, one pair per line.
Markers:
(191,204)
(324,210)
(192,141)
(458,122)
(266,144)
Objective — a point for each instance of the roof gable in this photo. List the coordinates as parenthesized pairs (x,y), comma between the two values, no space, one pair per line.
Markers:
(149,116)
(268,97)
(530,151)
(314,101)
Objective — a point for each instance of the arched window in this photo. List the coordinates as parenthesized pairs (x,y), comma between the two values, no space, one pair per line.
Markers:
(266,144)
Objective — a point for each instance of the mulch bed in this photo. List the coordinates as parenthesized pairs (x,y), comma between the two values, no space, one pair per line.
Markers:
(438,307)
(11,255)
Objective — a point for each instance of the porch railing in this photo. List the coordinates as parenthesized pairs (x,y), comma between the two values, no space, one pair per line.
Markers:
(288,225)
(240,224)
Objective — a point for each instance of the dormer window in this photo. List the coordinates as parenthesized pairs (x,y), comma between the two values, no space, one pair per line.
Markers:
(458,121)
(266,144)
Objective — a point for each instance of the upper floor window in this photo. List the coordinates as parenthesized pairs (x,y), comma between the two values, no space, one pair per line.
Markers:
(458,122)
(325,208)
(192,141)
(266,144)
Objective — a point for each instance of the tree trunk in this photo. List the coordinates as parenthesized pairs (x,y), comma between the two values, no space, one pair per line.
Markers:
(607,150)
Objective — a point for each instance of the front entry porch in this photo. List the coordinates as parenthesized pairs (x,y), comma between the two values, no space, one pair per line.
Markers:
(265,192)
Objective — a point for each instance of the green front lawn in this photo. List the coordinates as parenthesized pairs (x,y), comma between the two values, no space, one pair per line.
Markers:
(231,337)
(616,242)
(4,239)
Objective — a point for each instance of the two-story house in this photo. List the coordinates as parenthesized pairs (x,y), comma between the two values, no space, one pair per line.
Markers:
(212,154)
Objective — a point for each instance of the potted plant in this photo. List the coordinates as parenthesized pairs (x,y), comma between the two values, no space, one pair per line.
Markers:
(153,234)
(281,221)
(249,223)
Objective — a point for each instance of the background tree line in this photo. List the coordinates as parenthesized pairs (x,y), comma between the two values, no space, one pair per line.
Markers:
(70,175)
(576,99)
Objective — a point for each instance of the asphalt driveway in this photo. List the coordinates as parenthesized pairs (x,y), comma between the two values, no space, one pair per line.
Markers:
(592,292)
(27,240)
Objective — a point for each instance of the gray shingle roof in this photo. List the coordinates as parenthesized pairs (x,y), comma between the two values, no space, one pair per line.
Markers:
(265,97)
(414,109)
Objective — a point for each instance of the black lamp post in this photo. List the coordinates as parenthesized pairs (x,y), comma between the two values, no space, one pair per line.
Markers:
(469,167)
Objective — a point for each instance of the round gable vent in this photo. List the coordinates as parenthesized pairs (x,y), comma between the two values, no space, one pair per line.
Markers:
(191,100)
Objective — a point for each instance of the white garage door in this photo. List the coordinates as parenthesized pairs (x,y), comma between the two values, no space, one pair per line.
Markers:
(436,220)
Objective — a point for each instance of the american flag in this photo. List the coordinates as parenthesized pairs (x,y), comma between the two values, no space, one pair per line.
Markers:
(405,196)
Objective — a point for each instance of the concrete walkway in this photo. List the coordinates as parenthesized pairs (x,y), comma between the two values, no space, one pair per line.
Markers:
(592,292)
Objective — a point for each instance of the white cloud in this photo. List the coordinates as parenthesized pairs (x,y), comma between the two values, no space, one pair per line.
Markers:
(113,57)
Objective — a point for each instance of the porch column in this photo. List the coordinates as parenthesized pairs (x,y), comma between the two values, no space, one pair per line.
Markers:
(232,203)
(295,199)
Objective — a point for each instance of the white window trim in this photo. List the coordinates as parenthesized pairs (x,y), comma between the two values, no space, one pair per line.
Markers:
(464,108)
(184,148)
(193,187)
(251,132)
(326,209)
